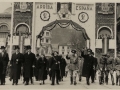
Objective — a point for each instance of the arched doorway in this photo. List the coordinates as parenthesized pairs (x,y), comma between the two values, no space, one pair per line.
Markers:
(22,30)
(63,36)
(4,31)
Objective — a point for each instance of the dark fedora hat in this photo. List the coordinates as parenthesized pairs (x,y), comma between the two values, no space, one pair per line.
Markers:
(28,47)
(17,47)
(73,51)
(2,47)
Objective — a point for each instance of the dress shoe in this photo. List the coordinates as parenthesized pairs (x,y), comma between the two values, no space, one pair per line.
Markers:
(116,83)
(40,83)
(113,83)
(88,83)
(12,83)
(52,84)
(75,83)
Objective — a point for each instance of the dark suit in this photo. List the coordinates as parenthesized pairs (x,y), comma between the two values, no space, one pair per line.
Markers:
(4,59)
(94,70)
(87,66)
(55,68)
(16,66)
(29,61)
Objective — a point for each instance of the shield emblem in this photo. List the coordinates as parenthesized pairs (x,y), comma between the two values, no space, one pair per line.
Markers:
(23,5)
(64,9)
(105,7)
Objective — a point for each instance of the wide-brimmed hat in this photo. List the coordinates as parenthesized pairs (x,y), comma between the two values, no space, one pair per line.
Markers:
(28,47)
(73,51)
(2,47)
(17,47)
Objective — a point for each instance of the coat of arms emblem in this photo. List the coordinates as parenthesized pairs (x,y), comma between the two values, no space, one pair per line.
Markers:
(64,10)
(23,5)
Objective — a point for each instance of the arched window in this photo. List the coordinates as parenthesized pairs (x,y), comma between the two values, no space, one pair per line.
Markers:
(3,28)
(22,28)
(3,33)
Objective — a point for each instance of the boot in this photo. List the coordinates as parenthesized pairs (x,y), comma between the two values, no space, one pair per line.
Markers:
(87,79)
(75,81)
(106,80)
(71,79)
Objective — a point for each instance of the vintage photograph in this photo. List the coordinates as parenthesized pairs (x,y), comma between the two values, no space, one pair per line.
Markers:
(59,45)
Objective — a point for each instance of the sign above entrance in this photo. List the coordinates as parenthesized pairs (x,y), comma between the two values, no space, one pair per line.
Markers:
(44,6)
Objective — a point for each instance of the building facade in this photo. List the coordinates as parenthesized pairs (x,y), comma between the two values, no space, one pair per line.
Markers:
(60,26)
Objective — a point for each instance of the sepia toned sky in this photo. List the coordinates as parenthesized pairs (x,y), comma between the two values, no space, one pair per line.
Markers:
(4,6)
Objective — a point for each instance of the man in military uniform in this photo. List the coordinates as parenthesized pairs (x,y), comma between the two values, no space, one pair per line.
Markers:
(29,61)
(88,65)
(4,59)
(94,69)
(55,68)
(73,66)
(109,69)
(16,64)
(106,64)
(117,68)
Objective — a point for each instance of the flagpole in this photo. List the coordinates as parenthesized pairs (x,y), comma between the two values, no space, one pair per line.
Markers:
(11,31)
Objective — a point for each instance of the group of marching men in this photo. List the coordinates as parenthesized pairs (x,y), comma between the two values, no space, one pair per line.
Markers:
(84,65)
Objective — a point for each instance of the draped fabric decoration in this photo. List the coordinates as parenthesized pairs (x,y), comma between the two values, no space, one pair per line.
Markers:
(64,24)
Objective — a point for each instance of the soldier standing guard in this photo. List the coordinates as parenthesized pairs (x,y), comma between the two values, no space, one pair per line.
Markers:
(87,65)
(29,61)
(4,59)
(73,66)
(16,64)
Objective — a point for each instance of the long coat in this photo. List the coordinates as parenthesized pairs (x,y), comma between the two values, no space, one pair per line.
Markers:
(16,65)
(3,63)
(87,65)
(62,66)
(42,68)
(29,61)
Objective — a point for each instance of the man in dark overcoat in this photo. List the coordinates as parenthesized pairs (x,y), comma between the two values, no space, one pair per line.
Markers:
(16,64)
(29,61)
(94,69)
(87,65)
(4,59)
(55,68)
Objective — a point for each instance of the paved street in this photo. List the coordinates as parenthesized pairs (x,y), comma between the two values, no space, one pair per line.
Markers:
(63,85)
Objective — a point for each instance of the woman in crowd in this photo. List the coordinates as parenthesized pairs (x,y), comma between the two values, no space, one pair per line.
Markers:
(36,69)
(80,65)
(42,67)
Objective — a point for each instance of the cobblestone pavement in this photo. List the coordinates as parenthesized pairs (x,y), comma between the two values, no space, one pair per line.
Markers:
(63,85)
